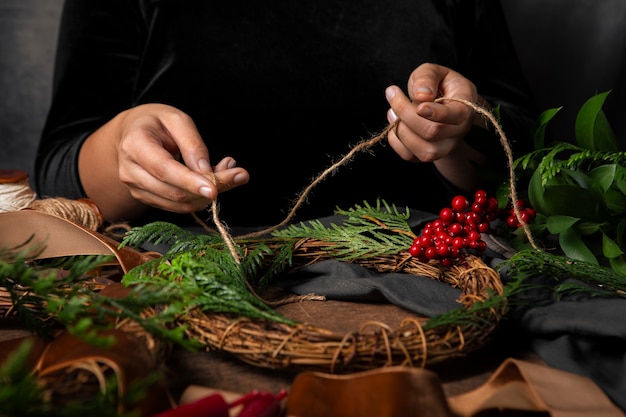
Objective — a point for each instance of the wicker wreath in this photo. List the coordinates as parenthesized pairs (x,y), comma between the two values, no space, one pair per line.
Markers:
(420,342)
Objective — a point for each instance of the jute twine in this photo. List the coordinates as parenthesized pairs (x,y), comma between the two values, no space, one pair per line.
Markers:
(16,194)
(365,145)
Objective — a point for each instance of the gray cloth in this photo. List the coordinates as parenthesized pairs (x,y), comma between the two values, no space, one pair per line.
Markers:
(349,282)
(577,333)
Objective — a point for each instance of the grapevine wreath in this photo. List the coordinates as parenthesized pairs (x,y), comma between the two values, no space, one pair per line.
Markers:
(227,316)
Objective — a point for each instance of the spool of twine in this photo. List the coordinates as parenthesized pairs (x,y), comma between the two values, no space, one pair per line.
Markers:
(16,194)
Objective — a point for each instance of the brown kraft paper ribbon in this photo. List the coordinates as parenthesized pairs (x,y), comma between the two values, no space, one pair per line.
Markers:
(517,388)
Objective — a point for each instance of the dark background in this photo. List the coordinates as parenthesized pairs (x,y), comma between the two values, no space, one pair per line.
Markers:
(570,50)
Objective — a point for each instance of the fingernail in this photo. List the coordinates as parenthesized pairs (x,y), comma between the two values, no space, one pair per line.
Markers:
(423,89)
(204,165)
(392,116)
(425,111)
(206,192)
(232,163)
(390,93)
(239,179)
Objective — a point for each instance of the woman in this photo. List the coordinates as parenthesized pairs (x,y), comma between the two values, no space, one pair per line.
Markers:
(150,94)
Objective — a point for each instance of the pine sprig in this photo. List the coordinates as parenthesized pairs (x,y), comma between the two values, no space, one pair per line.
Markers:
(366,231)
(262,263)
(19,389)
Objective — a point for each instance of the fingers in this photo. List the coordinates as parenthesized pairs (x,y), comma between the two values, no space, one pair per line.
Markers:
(228,175)
(430,130)
(429,81)
(413,147)
(168,197)
(147,162)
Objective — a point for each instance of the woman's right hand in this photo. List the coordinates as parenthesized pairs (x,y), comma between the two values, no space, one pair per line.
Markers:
(134,161)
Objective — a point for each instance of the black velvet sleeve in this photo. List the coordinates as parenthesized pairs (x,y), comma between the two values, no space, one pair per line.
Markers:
(93,81)
(488,58)
(243,69)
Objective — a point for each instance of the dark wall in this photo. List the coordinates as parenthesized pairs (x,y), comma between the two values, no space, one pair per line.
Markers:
(570,49)
(28,30)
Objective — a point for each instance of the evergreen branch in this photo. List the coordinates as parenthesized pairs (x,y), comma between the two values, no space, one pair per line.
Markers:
(212,281)
(366,231)
(223,286)
(262,263)
(531,263)
(160,232)
(32,285)
(562,155)
(85,316)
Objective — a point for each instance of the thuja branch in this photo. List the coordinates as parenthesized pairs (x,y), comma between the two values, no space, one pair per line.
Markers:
(530,263)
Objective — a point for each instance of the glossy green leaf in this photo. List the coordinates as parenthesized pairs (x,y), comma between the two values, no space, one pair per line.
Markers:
(541,126)
(603,135)
(588,228)
(620,179)
(574,247)
(536,193)
(558,224)
(610,249)
(570,200)
(604,176)
(618,264)
(615,202)
(582,179)
(592,129)
(620,232)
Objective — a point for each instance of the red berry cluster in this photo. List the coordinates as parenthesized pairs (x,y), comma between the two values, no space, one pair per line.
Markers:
(457,230)
(527,214)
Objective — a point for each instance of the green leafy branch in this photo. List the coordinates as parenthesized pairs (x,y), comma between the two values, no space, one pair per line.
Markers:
(36,289)
(46,295)
(366,231)
(201,266)
(530,263)
(579,190)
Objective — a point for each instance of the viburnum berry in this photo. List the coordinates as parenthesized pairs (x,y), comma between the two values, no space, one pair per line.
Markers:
(460,203)
(446,215)
(526,214)
(457,230)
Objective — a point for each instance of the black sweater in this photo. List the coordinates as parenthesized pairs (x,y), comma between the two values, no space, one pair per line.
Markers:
(285,87)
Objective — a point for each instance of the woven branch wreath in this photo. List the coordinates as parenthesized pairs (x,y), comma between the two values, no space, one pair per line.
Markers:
(222,313)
